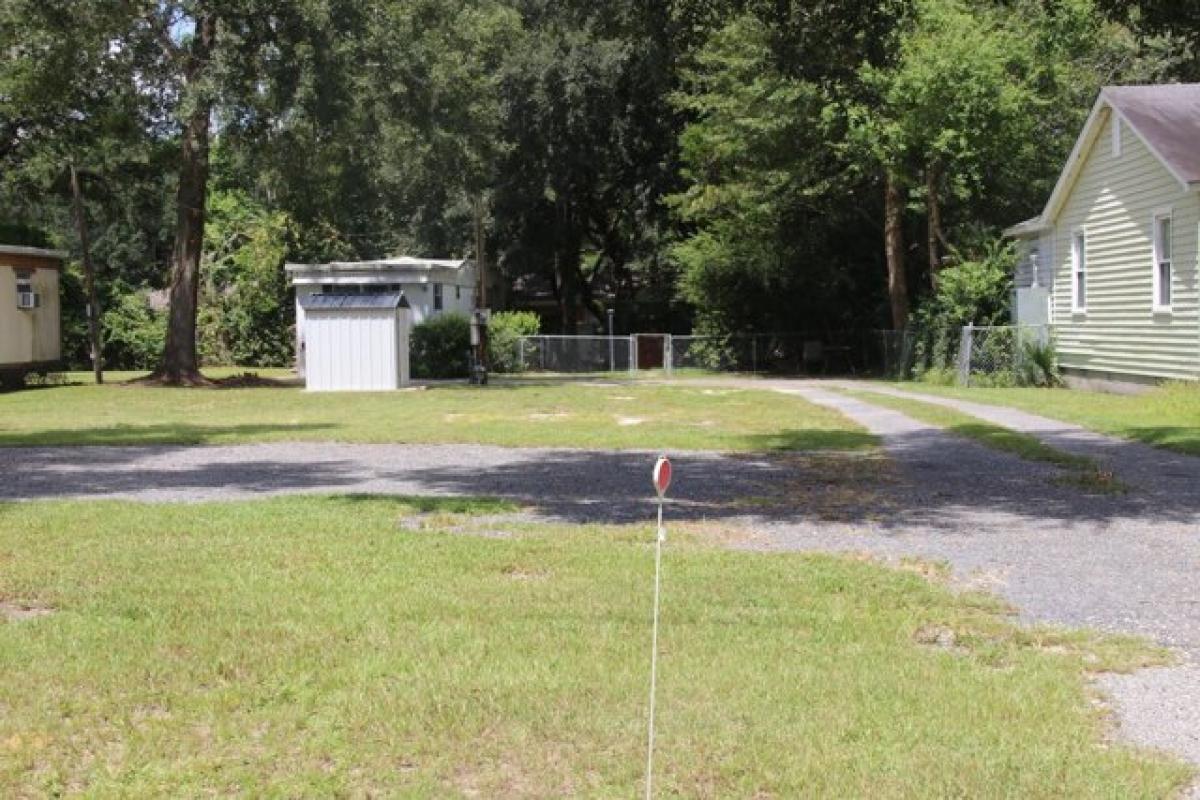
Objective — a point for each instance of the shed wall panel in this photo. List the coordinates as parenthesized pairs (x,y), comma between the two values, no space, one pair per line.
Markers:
(355,349)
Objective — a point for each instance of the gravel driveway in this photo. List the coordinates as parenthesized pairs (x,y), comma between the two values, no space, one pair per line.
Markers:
(1125,563)
(572,485)
(1115,562)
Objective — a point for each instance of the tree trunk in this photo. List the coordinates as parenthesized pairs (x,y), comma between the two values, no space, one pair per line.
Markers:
(180,366)
(89,276)
(933,217)
(893,236)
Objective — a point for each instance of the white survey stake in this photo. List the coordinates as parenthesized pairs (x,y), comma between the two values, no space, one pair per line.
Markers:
(662,481)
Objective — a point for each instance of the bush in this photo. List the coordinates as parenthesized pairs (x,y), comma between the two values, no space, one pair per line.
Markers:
(1038,365)
(245,316)
(503,333)
(974,292)
(439,346)
(133,334)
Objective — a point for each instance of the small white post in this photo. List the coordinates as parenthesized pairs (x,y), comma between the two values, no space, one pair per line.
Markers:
(662,480)
(612,360)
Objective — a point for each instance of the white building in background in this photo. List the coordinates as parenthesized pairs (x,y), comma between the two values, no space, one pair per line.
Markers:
(430,287)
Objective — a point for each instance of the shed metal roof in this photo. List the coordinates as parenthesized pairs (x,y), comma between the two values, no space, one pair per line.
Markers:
(331,301)
(382,265)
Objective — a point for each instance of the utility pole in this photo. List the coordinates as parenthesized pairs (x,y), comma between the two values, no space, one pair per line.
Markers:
(480,255)
(480,322)
(89,277)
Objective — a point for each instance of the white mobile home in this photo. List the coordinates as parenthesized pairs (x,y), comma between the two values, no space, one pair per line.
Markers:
(30,328)
(430,287)
(1111,262)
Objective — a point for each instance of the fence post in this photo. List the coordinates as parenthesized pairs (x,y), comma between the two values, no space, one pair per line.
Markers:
(964,354)
(633,354)
(668,354)
(521,354)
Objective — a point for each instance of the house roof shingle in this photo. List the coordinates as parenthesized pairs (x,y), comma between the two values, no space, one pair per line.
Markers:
(1167,117)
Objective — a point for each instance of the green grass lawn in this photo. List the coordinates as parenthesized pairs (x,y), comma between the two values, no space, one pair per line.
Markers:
(319,647)
(585,414)
(1167,416)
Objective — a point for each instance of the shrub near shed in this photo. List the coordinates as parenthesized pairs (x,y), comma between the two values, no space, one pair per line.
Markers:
(439,347)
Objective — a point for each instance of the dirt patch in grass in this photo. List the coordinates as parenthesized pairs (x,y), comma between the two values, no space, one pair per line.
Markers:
(1093,480)
(486,526)
(833,487)
(940,637)
(19,611)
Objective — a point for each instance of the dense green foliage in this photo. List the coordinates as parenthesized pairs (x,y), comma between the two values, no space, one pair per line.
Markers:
(504,331)
(246,315)
(440,347)
(718,165)
(133,332)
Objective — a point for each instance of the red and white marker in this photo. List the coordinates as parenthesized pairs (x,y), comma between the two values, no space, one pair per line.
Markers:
(661,477)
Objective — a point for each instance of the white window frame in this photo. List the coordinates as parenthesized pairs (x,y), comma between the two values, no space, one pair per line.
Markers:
(1078,266)
(438,297)
(1116,136)
(1157,306)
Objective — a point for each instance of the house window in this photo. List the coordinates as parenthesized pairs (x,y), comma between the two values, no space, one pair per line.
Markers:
(1116,137)
(1162,261)
(437,297)
(1078,271)
(458,293)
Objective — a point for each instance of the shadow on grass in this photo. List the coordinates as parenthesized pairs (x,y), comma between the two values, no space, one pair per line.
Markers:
(801,439)
(423,504)
(173,434)
(1181,439)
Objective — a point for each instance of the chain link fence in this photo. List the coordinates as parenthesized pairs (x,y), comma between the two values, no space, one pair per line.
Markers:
(1002,355)
(999,355)
(573,354)
(993,355)
(848,352)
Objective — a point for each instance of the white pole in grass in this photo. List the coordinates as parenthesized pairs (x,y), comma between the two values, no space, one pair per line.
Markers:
(662,480)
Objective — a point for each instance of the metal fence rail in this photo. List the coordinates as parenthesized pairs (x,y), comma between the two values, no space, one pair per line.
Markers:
(997,353)
(844,352)
(576,354)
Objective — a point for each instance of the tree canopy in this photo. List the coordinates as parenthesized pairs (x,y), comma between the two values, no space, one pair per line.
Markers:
(723,165)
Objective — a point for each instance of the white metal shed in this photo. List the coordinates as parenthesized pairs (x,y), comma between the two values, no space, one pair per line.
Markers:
(356,342)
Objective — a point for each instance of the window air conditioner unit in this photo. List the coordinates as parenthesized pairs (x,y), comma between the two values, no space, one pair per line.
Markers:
(28,300)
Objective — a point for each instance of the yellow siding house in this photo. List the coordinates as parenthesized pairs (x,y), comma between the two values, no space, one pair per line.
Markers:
(30,334)
(1111,262)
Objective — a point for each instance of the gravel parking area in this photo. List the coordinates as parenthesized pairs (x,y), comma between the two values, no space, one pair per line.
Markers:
(573,485)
